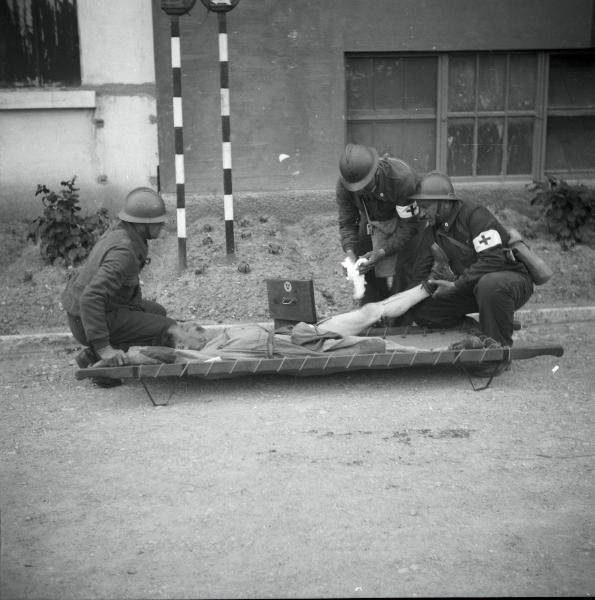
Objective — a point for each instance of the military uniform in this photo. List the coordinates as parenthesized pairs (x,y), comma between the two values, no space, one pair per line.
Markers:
(383,218)
(489,280)
(103,300)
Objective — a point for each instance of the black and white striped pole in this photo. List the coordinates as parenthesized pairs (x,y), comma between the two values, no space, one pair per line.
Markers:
(174,9)
(176,67)
(221,7)
(226,134)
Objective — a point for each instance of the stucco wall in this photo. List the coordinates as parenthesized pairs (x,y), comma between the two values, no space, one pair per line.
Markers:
(105,134)
(287,75)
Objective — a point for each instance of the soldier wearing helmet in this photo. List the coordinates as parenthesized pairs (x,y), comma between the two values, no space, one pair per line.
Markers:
(377,218)
(103,300)
(488,279)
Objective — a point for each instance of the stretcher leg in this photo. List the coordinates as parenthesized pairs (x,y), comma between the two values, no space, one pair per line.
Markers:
(487,384)
(152,396)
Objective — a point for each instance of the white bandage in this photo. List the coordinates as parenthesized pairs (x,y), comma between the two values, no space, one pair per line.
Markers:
(358,279)
(406,212)
(486,240)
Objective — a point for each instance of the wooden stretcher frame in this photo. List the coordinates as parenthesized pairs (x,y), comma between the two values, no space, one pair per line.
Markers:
(291,301)
(333,363)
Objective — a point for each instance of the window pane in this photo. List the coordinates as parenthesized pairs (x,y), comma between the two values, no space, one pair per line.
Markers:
(59,44)
(523,78)
(39,43)
(572,81)
(412,141)
(570,143)
(461,82)
(520,146)
(420,79)
(489,146)
(18,64)
(492,71)
(388,83)
(460,147)
(359,83)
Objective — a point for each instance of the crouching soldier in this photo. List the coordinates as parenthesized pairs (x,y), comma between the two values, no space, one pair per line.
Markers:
(488,279)
(103,300)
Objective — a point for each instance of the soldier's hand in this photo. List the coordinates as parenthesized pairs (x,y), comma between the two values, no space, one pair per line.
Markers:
(372,258)
(444,289)
(115,357)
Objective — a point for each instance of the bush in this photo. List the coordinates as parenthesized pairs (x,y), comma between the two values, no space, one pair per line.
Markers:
(569,210)
(61,230)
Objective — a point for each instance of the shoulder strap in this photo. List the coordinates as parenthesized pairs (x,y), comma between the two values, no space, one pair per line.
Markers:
(365,208)
(453,240)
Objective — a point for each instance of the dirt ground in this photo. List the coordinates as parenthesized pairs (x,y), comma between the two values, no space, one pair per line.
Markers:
(371,484)
(283,236)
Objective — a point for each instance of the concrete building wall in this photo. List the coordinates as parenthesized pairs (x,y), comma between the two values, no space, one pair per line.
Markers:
(104,132)
(286,60)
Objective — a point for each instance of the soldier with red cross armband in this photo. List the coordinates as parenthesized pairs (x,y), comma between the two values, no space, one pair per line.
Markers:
(488,280)
(377,218)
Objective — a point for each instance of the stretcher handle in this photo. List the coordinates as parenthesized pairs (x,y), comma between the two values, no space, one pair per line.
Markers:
(533,351)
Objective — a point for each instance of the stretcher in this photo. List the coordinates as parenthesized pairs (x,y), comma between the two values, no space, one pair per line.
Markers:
(415,347)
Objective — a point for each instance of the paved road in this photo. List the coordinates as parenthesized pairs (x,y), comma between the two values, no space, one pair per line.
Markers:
(366,484)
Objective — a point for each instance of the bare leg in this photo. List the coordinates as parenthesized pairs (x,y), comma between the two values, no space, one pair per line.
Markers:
(398,304)
(352,322)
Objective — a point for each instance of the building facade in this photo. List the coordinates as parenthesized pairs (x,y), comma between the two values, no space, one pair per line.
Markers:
(488,91)
(77,97)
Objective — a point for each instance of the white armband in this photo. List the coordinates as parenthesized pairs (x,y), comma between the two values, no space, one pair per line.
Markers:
(486,240)
(406,212)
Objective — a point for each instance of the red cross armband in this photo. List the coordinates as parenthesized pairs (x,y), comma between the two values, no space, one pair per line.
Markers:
(408,211)
(486,240)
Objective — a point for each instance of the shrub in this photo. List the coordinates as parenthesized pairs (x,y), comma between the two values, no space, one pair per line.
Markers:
(61,230)
(569,210)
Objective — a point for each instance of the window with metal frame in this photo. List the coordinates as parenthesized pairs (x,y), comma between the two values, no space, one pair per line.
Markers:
(491,112)
(570,146)
(392,105)
(473,114)
(39,43)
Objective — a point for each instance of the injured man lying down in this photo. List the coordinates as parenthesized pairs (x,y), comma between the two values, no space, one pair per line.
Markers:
(336,335)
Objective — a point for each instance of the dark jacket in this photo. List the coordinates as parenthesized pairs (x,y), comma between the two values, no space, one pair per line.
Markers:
(392,189)
(468,234)
(109,279)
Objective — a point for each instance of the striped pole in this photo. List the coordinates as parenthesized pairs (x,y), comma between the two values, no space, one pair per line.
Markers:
(226,131)
(176,65)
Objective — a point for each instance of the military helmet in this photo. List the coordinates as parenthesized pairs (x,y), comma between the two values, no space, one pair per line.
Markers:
(358,166)
(435,186)
(143,205)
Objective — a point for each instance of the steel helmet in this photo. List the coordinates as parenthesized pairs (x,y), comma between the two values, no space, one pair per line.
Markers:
(435,186)
(358,166)
(143,205)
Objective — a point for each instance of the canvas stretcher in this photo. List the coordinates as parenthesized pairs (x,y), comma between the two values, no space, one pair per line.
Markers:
(277,350)
(425,354)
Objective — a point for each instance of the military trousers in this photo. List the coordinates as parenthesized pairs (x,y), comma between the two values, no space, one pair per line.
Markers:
(147,325)
(495,297)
